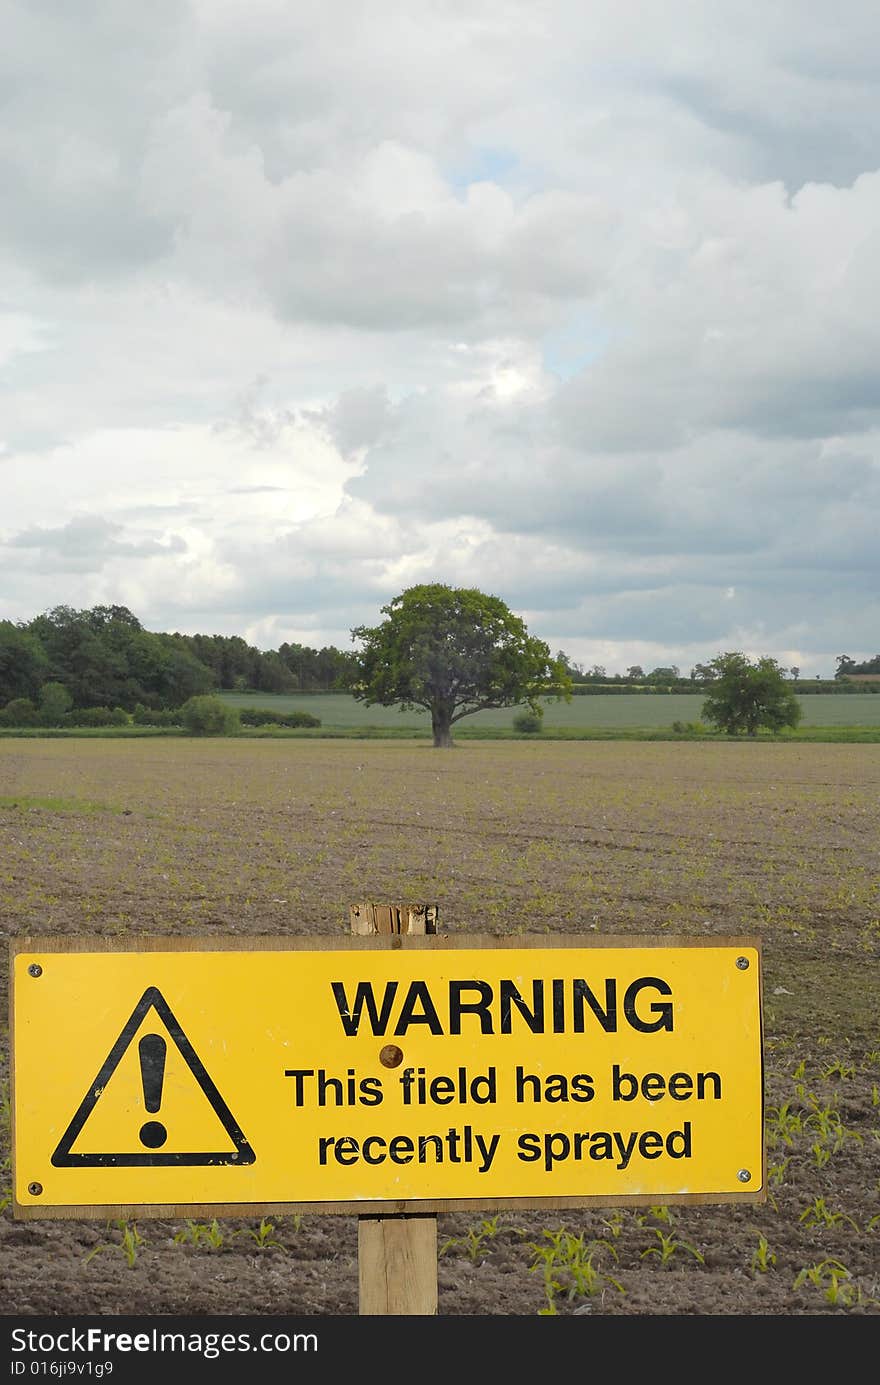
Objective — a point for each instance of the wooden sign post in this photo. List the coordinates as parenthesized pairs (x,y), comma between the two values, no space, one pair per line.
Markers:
(397,1255)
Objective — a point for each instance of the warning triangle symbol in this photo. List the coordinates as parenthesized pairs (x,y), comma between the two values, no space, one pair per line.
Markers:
(153,1132)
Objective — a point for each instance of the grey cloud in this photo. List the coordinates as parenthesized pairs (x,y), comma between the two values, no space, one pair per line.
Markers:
(81,90)
(358,418)
(86,543)
(722,493)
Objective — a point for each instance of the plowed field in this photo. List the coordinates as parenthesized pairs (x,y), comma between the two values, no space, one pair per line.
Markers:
(219,838)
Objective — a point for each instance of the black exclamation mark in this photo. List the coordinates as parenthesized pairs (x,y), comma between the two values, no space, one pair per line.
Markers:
(151,1050)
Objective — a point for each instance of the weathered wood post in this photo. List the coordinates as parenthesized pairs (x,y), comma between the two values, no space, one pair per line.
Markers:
(397,1254)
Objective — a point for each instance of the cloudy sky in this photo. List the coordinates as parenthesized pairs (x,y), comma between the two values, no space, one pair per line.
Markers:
(305,301)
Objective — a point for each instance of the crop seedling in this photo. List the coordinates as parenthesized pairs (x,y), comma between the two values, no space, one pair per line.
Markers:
(199,1234)
(263,1236)
(614,1223)
(838,1069)
(763,1258)
(835,1281)
(6,1160)
(473,1242)
(128,1245)
(783,1124)
(5,1182)
(830,1126)
(776,1172)
(667,1246)
(660,1213)
(567,1265)
(817,1214)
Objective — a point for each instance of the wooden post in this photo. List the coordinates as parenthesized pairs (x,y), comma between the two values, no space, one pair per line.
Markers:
(397,1254)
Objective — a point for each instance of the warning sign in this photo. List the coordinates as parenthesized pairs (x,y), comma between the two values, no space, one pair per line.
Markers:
(430,1073)
(150,1013)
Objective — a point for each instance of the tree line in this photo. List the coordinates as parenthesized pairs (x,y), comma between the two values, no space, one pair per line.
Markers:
(846,665)
(104,657)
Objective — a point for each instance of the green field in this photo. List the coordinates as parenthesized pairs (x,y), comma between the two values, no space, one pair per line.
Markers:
(625,712)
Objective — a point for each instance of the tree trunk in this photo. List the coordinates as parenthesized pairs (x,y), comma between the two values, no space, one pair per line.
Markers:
(441,725)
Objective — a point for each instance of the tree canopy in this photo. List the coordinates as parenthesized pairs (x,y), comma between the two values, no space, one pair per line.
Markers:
(105,658)
(745,696)
(453,651)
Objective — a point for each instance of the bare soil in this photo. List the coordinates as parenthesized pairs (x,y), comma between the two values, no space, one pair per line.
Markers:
(233,838)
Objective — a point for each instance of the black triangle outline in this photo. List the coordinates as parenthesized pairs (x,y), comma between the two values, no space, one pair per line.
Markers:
(242,1154)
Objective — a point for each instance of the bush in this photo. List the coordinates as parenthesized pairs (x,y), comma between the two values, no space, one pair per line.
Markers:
(263,716)
(151,716)
(96,716)
(209,716)
(529,723)
(19,712)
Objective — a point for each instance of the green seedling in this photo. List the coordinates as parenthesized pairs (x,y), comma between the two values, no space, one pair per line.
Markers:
(783,1124)
(567,1264)
(474,1240)
(763,1258)
(776,1172)
(839,1069)
(263,1236)
(830,1126)
(128,1245)
(667,1245)
(5,1184)
(5,1141)
(200,1234)
(615,1224)
(818,1214)
(835,1281)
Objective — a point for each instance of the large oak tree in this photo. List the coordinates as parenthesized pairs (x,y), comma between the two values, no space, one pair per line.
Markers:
(453,651)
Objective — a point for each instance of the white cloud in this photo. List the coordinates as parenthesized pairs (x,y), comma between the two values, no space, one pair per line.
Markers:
(573,303)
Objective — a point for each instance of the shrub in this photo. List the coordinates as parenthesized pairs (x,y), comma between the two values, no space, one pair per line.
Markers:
(151,716)
(88,716)
(209,716)
(19,712)
(301,719)
(96,716)
(264,716)
(528,722)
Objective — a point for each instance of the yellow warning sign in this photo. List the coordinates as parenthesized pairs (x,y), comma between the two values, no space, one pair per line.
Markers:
(154,1028)
(429,1072)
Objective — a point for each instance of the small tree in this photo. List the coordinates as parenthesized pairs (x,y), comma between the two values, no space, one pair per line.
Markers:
(55,701)
(209,716)
(745,696)
(453,651)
